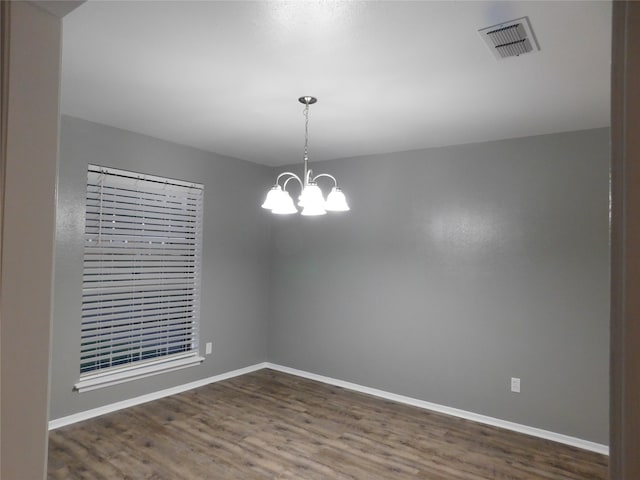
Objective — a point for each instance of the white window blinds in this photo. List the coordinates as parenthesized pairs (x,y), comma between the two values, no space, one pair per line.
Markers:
(141,279)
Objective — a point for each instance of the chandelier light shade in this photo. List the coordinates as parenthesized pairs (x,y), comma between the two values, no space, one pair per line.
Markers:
(311,198)
(273,197)
(285,205)
(336,201)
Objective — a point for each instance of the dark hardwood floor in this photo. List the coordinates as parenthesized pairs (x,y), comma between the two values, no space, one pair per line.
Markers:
(270,425)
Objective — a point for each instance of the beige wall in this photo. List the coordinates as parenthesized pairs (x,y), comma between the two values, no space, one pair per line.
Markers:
(27,237)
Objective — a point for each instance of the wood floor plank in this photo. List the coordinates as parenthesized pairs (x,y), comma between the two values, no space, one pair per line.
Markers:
(270,425)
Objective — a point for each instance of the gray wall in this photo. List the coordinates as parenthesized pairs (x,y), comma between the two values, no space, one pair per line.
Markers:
(456,269)
(236,256)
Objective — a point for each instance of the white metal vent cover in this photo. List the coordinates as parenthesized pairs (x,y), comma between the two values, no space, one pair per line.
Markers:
(510,39)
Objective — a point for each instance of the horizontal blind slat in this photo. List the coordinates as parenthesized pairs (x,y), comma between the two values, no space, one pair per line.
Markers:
(127,342)
(94,342)
(119,351)
(139,337)
(134,338)
(106,295)
(107,208)
(135,304)
(143,290)
(94,325)
(162,194)
(155,315)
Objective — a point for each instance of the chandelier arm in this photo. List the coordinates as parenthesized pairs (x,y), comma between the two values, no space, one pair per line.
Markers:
(286,173)
(335,182)
(293,175)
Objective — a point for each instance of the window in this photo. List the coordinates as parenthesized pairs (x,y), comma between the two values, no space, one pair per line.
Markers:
(141,277)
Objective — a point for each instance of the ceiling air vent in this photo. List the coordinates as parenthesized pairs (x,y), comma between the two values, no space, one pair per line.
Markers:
(510,39)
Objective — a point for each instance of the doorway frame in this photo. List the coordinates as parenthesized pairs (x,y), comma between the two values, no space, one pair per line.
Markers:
(624,460)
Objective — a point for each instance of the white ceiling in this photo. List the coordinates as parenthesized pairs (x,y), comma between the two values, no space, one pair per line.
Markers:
(389,76)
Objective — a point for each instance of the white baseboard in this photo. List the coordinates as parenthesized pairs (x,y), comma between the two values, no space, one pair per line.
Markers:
(496,422)
(96,412)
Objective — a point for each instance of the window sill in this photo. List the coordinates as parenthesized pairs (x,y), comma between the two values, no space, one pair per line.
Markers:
(126,374)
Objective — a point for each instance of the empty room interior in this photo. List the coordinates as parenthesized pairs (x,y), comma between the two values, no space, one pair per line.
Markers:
(332,240)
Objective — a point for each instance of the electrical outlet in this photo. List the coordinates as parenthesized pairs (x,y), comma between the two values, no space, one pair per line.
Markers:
(515,384)
(208,348)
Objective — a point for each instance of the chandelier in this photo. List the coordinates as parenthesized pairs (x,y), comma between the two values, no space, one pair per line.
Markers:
(311,199)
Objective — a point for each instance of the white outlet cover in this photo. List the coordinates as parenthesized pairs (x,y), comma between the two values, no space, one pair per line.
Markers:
(515,384)
(208,348)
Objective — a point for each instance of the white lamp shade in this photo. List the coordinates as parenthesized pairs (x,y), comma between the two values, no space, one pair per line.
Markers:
(312,201)
(312,197)
(284,205)
(301,198)
(312,211)
(273,196)
(336,201)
